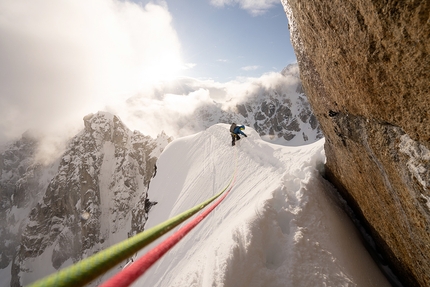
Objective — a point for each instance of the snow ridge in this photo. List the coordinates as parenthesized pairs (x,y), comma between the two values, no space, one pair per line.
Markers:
(279,226)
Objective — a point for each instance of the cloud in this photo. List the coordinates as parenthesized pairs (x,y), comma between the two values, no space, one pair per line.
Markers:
(168,112)
(222,60)
(60,60)
(250,68)
(172,106)
(254,7)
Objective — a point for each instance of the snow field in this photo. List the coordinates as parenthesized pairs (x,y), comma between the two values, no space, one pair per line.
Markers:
(278,226)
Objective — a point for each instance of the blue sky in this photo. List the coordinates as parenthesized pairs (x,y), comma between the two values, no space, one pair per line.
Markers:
(62,59)
(230,41)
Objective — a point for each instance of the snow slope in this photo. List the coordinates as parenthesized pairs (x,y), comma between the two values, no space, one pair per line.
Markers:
(279,226)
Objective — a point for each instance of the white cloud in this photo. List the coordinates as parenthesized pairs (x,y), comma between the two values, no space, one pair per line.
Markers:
(171,107)
(222,60)
(60,60)
(168,112)
(250,68)
(254,7)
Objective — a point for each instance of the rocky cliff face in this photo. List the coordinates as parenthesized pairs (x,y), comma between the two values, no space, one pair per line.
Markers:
(365,67)
(94,196)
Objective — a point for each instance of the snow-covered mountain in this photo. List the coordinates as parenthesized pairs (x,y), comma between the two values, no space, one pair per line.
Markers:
(274,105)
(279,111)
(280,225)
(96,196)
(22,184)
(279,114)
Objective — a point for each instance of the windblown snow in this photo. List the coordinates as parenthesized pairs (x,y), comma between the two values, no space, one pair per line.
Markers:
(279,226)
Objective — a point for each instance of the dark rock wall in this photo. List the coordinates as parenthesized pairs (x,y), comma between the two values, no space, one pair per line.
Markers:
(365,67)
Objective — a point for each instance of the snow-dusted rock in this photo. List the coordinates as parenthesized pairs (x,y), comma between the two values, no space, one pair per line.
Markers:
(97,197)
(22,182)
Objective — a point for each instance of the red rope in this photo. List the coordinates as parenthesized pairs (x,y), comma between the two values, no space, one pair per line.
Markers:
(131,273)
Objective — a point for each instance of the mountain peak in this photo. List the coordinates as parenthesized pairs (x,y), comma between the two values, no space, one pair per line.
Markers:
(96,197)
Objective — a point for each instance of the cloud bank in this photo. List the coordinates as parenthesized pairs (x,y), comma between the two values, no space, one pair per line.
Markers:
(172,107)
(60,60)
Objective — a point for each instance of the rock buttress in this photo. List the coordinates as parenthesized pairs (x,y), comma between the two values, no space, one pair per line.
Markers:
(365,67)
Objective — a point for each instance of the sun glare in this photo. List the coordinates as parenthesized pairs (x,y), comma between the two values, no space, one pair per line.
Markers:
(165,68)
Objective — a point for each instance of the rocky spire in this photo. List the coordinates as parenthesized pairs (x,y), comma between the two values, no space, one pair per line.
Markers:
(97,197)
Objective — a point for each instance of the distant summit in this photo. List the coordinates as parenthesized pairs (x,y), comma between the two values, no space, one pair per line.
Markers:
(279,112)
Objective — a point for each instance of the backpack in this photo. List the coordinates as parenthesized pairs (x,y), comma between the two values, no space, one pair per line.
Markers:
(233,125)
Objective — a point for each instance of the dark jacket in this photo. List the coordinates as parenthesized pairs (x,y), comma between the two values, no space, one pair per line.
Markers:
(237,130)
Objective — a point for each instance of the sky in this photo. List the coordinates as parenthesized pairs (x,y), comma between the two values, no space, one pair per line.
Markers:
(61,60)
(230,39)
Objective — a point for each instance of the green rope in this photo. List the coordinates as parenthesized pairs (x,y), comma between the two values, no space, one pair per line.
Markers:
(94,266)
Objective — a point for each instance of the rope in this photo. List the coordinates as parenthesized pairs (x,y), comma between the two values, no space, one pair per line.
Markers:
(92,267)
(131,273)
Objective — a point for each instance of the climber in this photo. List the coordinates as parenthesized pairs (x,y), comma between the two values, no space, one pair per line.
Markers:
(235,130)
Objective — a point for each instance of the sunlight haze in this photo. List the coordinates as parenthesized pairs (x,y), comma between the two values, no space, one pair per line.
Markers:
(61,60)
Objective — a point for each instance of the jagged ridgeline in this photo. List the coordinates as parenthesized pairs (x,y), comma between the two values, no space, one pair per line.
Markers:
(92,197)
(279,112)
